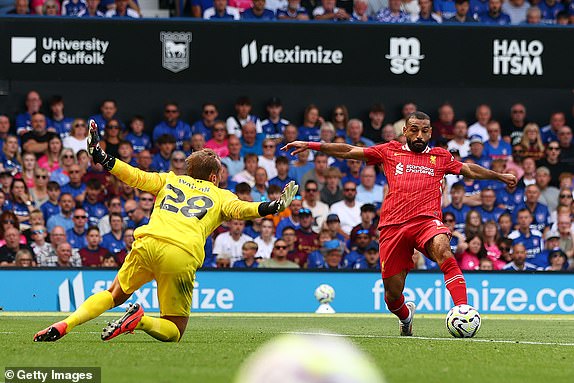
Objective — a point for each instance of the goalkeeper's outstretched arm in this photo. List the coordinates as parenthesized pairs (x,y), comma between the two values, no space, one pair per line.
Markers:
(150,182)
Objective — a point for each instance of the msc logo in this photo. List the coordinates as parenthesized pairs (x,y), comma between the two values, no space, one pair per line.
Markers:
(23,50)
(405,55)
(399,169)
(268,53)
(176,50)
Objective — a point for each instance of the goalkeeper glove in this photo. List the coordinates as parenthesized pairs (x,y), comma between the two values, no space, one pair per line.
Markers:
(94,149)
(287,196)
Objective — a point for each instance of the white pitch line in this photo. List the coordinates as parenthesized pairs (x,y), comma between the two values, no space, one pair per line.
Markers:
(430,338)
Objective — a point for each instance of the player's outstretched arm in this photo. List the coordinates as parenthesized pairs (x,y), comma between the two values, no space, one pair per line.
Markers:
(233,208)
(335,150)
(150,182)
(477,172)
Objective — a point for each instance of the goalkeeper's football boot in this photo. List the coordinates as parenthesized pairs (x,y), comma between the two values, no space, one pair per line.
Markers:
(126,323)
(52,333)
(407,329)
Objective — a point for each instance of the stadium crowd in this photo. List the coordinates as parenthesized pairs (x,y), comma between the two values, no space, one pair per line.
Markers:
(59,210)
(494,12)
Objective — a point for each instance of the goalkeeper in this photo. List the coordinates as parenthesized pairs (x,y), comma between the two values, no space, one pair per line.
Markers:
(170,248)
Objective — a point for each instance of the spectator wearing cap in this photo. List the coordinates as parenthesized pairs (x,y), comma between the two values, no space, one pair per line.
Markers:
(307,239)
(279,259)
(557,261)
(333,224)
(368,191)
(315,260)
(248,260)
(311,201)
(519,262)
(494,14)
(292,220)
(551,243)
(332,191)
(242,116)
(282,173)
(477,154)
(368,214)
(332,252)
(348,210)
(371,260)
(357,246)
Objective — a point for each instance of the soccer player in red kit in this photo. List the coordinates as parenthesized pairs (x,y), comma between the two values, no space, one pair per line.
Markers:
(411,215)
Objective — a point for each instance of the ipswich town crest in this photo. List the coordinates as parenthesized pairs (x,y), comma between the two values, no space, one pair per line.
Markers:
(176,50)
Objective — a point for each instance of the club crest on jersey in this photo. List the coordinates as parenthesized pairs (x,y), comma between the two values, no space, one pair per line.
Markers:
(176,50)
(433,160)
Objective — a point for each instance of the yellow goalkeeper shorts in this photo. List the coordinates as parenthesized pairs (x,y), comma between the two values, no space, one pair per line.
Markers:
(172,267)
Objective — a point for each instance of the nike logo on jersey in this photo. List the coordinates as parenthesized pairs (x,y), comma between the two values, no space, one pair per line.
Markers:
(400,154)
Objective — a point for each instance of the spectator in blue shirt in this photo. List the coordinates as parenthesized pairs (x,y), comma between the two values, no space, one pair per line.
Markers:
(495,147)
(113,241)
(282,178)
(494,14)
(258,12)
(161,160)
(209,114)
(108,112)
(274,125)
(355,133)
(140,140)
(197,7)
(248,251)
(393,14)
(549,10)
(73,8)
(477,8)
(519,260)
(24,120)
(251,141)
(58,121)
(445,8)
(220,11)
(539,212)
(92,9)
(309,131)
(477,154)
(426,15)
(172,125)
(360,11)
(293,11)
(530,238)
(77,234)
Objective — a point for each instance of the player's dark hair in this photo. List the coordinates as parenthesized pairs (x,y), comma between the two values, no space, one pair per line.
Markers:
(417,116)
(202,164)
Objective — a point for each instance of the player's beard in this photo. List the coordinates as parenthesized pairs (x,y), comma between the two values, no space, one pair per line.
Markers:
(417,146)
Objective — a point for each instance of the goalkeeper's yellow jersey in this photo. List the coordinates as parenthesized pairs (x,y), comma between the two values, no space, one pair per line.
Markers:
(186,209)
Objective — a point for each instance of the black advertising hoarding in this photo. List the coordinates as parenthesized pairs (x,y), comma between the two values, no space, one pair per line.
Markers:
(277,52)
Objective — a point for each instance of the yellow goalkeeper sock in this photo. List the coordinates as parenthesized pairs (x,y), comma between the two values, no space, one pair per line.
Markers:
(93,307)
(159,328)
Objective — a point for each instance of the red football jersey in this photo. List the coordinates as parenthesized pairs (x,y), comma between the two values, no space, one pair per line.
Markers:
(414,179)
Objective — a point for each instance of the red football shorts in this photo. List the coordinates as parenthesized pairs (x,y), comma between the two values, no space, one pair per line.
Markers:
(397,243)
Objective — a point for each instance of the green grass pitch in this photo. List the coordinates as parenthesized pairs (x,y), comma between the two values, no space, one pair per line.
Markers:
(507,348)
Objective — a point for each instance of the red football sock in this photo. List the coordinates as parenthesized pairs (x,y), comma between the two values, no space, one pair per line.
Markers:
(454,281)
(398,307)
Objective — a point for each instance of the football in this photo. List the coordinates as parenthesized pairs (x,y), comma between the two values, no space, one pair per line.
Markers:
(463,321)
(325,293)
